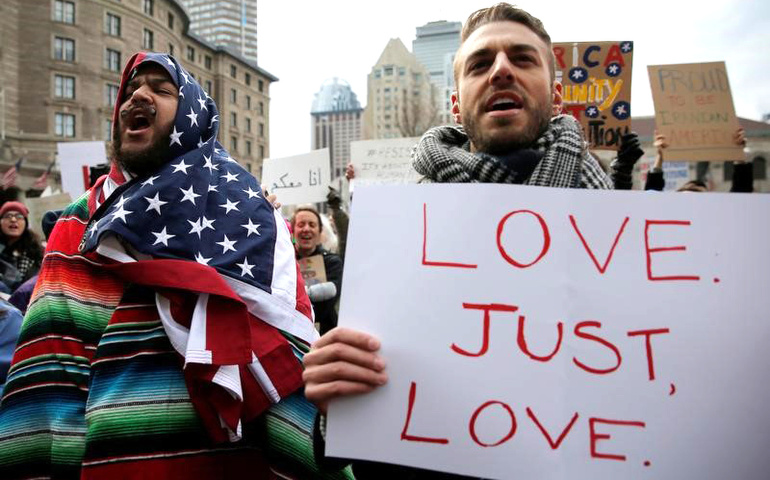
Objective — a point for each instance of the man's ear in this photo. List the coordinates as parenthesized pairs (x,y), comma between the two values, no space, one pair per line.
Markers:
(557,98)
(456,107)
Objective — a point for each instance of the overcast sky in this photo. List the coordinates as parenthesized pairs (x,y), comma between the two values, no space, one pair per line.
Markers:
(305,42)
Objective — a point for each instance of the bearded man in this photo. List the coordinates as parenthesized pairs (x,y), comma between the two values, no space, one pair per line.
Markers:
(509,103)
(165,334)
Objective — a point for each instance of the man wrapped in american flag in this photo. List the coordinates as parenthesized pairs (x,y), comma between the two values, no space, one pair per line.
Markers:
(165,335)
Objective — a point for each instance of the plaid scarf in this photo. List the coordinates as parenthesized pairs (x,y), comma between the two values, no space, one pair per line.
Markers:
(443,155)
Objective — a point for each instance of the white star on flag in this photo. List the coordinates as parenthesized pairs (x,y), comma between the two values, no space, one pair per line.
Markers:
(162,237)
(227,244)
(150,181)
(200,259)
(168,60)
(189,195)
(121,213)
(230,177)
(184,75)
(175,136)
(251,227)
(201,142)
(154,203)
(92,229)
(181,167)
(245,267)
(213,188)
(209,164)
(230,206)
(214,120)
(230,159)
(196,227)
(202,103)
(206,223)
(180,91)
(251,193)
(121,201)
(193,118)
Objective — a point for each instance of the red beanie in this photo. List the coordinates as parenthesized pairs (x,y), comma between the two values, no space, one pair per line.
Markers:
(14,207)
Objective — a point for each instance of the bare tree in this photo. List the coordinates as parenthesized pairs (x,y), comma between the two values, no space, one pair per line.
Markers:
(417,111)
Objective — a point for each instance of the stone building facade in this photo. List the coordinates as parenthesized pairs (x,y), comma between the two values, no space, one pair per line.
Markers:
(60,65)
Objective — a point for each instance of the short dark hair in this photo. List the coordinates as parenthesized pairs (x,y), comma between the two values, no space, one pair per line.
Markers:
(307,208)
(693,186)
(505,12)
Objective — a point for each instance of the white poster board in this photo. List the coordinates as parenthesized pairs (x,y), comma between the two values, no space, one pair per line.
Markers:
(661,371)
(299,179)
(379,162)
(75,158)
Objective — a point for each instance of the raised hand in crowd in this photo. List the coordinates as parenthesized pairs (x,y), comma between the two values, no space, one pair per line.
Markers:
(350,172)
(623,166)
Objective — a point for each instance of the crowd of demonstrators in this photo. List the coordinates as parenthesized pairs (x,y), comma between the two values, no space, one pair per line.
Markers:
(508,106)
(164,336)
(630,151)
(307,226)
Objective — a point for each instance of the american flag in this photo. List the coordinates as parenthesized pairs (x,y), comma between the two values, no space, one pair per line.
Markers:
(10,175)
(42,180)
(201,225)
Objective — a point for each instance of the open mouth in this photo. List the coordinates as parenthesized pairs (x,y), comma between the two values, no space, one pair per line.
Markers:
(138,118)
(504,102)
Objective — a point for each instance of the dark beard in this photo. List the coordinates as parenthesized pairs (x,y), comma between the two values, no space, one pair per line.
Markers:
(526,139)
(144,163)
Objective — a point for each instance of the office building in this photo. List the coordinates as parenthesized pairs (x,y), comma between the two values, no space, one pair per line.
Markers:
(226,23)
(337,120)
(435,46)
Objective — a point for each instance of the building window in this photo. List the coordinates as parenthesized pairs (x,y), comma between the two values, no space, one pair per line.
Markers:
(64,11)
(148,40)
(233,71)
(247,78)
(171,49)
(65,125)
(388,71)
(234,144)
(170,20)
(107,129)
(112,60)
(261,129)
(248,124)
(64,87)
(233,96)
(378,73)
(248,148)
(208,87)
(149,7)
(64,49)
(190,53)
(233,119)
(112,25)
(261,108)
(260,85)
(110,94)
(207,62)
(248,102)
(401,71)
(261,152)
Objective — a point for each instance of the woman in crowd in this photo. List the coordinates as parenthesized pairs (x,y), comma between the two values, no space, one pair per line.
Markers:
(20,246)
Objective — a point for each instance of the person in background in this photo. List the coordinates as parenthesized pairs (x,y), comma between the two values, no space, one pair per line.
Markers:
(21,296)
(340,218)
(10,324)
(306,225)
(20,246)
(743,171)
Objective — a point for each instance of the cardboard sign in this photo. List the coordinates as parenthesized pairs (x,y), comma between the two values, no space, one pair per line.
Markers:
(312,269)
(596,80)
(694,110)
(298,179)
(380,162)
(675,174)
(528,337)
(75,158)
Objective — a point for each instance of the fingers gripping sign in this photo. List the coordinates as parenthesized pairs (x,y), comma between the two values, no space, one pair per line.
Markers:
(341,363)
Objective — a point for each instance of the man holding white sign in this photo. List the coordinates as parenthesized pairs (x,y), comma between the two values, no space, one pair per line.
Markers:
(508,103)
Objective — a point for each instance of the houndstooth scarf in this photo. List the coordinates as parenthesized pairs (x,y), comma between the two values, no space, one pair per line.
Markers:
(443,155)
